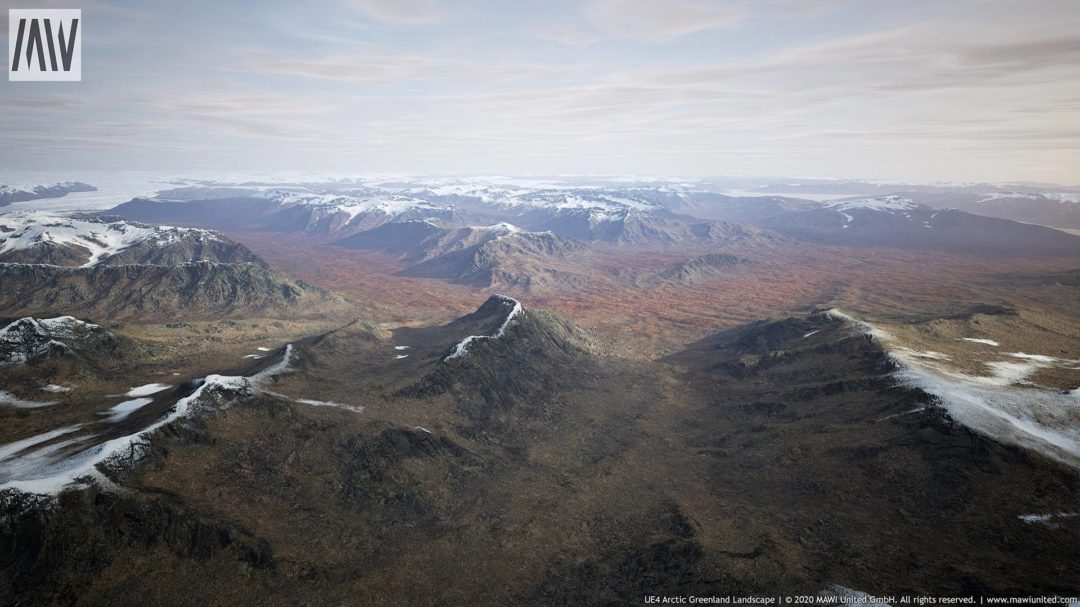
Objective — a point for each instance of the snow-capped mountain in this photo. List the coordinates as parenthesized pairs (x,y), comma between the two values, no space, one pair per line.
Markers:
(101,267)
(38,237)
(10,194)
(636,215)
(888,204)
(623,212)
(341,215)
(335,214)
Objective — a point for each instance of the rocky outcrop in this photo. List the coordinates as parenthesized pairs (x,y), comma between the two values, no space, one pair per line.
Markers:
(31,339)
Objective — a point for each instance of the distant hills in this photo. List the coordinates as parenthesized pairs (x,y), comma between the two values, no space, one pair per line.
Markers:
(969,217)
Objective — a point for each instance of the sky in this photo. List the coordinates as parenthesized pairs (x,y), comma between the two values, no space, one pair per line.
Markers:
(941,90)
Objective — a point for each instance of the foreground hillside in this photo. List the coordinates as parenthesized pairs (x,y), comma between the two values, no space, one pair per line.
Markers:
(503,458)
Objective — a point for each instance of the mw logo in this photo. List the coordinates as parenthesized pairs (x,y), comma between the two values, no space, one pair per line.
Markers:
(45,44)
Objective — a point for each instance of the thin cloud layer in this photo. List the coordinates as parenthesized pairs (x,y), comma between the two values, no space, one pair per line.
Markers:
(400,11)
(952,89)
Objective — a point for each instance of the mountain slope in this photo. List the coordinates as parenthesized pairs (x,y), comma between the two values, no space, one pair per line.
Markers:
(102,268)
(704,267)
(640,216)
(500,255)
(503,458)
(500,358)
(197,290)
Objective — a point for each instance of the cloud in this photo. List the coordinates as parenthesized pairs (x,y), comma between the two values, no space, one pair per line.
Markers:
(406,12)
(802,86)
(570,36)
(373,68)
(656,20)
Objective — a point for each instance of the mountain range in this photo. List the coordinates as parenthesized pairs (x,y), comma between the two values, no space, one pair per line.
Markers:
(635,216)
(10,194)
(551,391)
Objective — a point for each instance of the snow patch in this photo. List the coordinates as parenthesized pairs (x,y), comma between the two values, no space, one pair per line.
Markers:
(463,346)
(40,472)
(887,204)
(276,369)
(146,390)
(1047,519)
(10,449)
(126,408)
(327,403)
(55,388)
(1043,420)
(10,400)
(976,340)
(46,471)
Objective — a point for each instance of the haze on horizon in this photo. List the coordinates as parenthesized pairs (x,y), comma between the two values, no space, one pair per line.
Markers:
(980,90)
